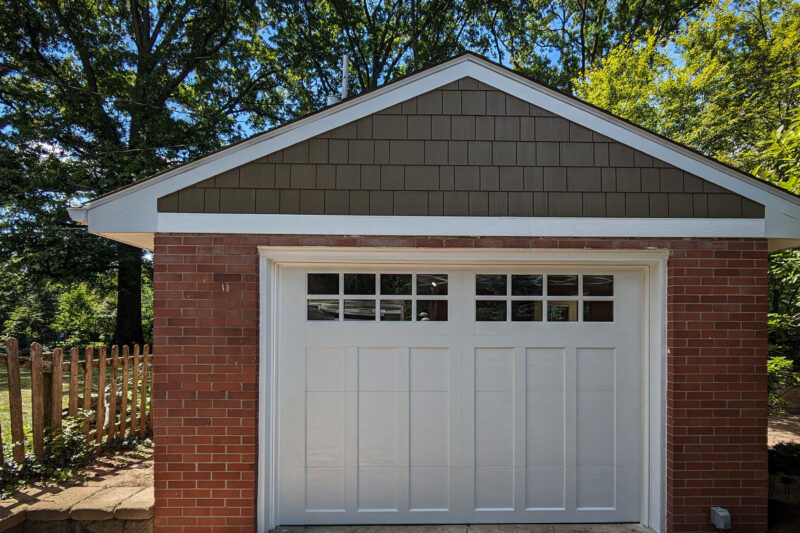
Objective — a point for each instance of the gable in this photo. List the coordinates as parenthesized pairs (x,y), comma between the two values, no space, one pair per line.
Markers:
(465,149)
(260,184)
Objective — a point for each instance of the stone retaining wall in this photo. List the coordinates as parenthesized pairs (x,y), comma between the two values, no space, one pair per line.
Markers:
(89,509)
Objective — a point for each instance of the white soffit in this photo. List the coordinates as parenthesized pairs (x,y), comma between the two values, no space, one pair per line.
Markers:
(134,209)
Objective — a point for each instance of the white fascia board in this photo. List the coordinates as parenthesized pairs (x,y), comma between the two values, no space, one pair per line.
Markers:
(459,226)
(635,137)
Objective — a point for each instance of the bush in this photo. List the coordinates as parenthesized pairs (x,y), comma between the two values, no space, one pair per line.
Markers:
(784,458)
(781,378)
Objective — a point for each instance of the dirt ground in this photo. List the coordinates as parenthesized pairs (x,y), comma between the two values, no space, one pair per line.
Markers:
(133,468)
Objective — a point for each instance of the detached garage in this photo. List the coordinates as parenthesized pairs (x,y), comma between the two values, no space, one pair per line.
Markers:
(463,297)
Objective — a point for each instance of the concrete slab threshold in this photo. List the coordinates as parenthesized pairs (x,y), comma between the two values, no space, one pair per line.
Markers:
(474,528)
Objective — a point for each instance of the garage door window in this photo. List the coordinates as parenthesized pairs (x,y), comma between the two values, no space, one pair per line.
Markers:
(384,297)
(544,298)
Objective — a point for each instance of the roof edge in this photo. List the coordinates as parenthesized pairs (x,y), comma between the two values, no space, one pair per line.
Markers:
(472,60)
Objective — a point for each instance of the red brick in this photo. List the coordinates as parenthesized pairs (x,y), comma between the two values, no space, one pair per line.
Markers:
(206,332)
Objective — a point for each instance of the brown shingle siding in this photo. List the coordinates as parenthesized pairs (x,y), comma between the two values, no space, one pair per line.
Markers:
(465,149)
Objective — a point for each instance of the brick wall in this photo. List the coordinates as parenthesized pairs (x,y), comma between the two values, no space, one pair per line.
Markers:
(716,392)
(206,364)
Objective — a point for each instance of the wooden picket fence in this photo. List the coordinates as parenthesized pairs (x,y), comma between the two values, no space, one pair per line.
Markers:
(120,408)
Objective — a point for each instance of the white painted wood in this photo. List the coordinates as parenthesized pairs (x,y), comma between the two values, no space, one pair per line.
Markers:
(547,432)
(653,300)
(462,226)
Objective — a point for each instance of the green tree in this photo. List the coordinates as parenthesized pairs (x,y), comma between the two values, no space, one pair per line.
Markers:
(97,94)
(384,39)
(721,84)
(83,317)
(557,42)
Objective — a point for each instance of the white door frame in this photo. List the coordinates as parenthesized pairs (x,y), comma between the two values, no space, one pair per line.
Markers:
(654,294)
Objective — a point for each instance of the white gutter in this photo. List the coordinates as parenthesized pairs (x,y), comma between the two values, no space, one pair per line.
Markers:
(79,215)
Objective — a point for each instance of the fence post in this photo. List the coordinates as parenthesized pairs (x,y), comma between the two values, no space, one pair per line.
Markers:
(150,403)
(15,401)
(123,417)
(134,391)
(143,399)
(73,382)
(112,402)
(37,397)
(57,384)
(47,395)
(101,396)
(88,378)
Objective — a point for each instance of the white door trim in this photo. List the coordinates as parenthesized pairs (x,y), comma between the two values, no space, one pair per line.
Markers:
(654,263)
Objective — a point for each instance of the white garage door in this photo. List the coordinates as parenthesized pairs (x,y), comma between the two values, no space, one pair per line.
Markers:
(439,395)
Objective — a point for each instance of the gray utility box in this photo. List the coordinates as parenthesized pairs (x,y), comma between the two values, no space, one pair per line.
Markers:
(721,518)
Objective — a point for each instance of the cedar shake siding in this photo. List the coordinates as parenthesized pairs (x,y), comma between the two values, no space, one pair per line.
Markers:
(463,150)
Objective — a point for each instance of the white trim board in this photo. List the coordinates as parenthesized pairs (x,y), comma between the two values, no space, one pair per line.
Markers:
(653,262)
(134,209)
(441,226)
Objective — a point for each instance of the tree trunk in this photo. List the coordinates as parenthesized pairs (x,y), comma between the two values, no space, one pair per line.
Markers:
(129,296)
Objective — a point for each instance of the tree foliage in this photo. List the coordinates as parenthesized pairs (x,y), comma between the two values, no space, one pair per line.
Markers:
(558,41)
(721,85)
(97,94)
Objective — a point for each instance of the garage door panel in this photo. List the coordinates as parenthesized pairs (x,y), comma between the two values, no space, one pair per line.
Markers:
(382,369)
(429,488)
(430,369)
(596,368)
(325,489)
(325,368)
(429,429)
(379,421)
(494,428)
(460,421)
(544,488)
(544,369)
(595,417)
(494,369)
(494,488)
(595,486)
(629,414)
(544,409)
(378,489)
(325,419)
(292,431)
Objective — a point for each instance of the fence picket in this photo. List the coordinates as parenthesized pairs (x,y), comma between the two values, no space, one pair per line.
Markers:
(121,411)
(112,400)
(15,401)
(88,378)
(143,399)
(134,390)
(73,382)
(123,416)
(150,384)
(101,396)
(57,390)
(37,398)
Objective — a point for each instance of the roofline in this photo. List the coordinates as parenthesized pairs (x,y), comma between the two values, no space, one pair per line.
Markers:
(410,78)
